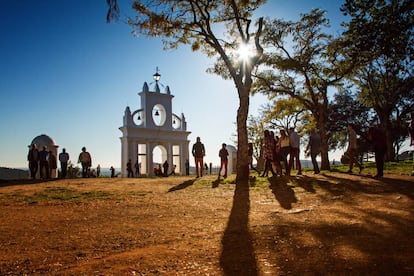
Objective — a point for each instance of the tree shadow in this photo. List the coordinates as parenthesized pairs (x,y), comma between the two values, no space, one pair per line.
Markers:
(284,194)
(215,183)
(237,256)
(181,186)
(383,236)
(306,183)
(381,185)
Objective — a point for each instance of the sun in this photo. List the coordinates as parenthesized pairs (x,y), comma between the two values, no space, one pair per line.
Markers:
(245,52)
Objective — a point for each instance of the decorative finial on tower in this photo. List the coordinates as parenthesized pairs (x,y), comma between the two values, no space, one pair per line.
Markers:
(156,76)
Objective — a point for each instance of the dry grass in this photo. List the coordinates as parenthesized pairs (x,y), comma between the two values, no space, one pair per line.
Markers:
(326,224)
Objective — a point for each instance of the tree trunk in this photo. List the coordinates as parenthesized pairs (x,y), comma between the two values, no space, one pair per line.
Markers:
(242,140)
(322,118)
(324,148)
(390,146)
(386,124)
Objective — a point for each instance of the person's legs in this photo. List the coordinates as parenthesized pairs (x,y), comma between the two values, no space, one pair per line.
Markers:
(285,152)
(298,165)
(379,162)
(33,169)
(314,162)
(221,167)
(64,167)
(294,156)
(225,168)
(291,159)
(197,167)
(84,169)
(353,160)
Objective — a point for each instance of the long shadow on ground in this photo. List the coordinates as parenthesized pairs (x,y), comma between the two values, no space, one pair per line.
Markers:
(356,240)
(237,256)
(181,186)
(284,194)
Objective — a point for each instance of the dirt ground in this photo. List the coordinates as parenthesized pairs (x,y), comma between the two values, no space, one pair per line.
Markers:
(332,223)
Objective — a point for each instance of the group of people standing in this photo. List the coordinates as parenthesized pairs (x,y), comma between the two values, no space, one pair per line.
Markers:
(130,171)
(275,150)
(377,138)
(42,161)
(45,162)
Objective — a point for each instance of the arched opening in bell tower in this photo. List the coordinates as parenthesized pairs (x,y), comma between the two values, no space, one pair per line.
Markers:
(159,155)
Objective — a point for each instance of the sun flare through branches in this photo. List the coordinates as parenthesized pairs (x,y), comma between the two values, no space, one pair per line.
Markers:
(245,52)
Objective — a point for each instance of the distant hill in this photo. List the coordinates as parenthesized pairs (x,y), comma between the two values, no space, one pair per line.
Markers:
(7,173)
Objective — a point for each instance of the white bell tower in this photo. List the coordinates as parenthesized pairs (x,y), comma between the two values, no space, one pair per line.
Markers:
(154,125)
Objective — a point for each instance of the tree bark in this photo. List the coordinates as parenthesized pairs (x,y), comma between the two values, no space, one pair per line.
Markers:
(322,121)
(242,138)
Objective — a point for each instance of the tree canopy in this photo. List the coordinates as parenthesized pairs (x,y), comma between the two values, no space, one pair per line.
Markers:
(219,29)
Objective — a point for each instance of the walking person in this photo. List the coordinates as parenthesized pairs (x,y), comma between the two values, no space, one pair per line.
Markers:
(352,149)
(284,143)
(294,140)
(64,159)
(44,163)
(250,153)
(198,152)
(137,169)
(314,148)
(268,152)
(33,158)
(173,170)
(165,166)
(129,168)
(223,154)
(379,140)
(411,132)
(86,162)
(52,164)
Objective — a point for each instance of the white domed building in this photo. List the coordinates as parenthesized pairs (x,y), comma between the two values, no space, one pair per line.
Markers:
(232,163)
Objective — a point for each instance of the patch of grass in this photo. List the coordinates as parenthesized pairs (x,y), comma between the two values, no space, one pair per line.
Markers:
(59,194)
(401,167)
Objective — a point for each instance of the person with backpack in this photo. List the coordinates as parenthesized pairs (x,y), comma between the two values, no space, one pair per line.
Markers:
(198,152)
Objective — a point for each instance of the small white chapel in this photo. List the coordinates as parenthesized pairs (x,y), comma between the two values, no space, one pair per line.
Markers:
(154,125)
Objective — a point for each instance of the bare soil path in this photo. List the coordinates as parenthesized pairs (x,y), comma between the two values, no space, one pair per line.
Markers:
(311,224)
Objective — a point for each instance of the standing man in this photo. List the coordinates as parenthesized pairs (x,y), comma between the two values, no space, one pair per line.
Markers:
(52,164)
(129,168)
(137,170)
(223,154)
(198,153)
(33,158)
(314,146)
(86,162)
(378,138)
(44,163)
(352,149)
(294,140)
(64,158)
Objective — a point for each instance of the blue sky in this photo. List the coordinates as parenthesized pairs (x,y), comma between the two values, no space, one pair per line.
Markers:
(66,73)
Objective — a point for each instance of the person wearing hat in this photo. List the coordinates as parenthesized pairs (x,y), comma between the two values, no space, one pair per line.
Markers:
(86,162)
